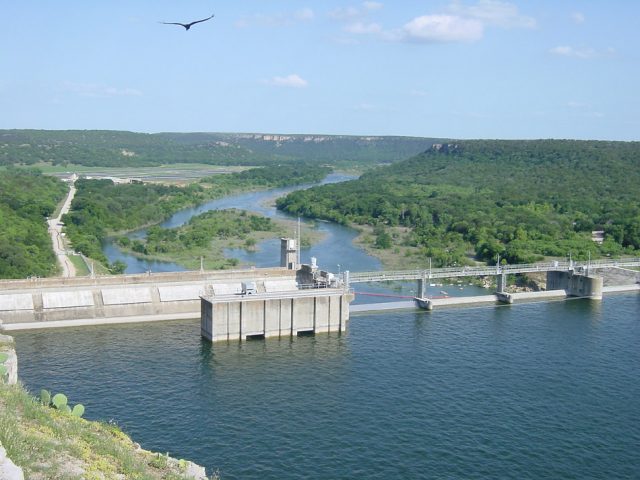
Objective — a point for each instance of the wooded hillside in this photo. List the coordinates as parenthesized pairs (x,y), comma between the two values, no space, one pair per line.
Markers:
(520,199)
(119,149)
(27,198)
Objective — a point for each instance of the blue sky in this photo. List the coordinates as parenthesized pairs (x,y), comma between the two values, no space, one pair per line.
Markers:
(451,68)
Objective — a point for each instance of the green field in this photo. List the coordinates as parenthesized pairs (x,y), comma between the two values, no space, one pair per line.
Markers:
(173,173)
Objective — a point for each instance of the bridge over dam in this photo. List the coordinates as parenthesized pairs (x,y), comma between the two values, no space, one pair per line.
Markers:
(577,279)
(237,304)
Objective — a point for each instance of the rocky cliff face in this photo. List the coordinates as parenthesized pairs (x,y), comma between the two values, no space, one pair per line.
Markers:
(8,469)
(11,363)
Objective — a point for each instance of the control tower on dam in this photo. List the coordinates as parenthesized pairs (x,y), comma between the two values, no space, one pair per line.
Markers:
(287,313)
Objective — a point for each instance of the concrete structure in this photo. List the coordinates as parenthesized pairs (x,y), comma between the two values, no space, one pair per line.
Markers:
(284,313)
(578,281)
(123,298)
(576,284)
(501,282)
(490,270)
(62,302)
(288,254)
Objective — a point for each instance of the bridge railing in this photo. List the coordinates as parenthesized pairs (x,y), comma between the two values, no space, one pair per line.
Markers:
(485,270)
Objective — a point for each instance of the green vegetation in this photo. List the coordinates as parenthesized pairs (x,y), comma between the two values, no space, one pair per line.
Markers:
(204,236)
(79,264)
(27,198)
(102,208)
(522,200)
(4,371)
(121,149)
(59,402)
(49,443)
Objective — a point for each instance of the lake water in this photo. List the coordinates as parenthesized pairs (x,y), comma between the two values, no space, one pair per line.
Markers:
(538,391)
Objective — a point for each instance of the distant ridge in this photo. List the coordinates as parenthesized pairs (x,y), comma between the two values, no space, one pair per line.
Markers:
(121,148)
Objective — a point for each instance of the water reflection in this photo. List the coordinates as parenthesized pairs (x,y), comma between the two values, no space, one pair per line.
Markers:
(284,354)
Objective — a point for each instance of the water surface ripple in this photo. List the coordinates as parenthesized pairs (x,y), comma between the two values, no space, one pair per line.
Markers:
(539,391)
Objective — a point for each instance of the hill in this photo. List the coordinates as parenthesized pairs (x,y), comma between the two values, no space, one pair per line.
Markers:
(117,148)
(520,199)
(27,198)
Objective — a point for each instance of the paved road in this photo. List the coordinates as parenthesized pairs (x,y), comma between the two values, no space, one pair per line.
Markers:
(55,230)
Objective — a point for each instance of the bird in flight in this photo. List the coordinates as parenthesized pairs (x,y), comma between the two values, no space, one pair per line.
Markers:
(187,26)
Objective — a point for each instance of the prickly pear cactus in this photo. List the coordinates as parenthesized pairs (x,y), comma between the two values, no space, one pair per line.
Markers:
(78,410)
(59,401)
(45,397)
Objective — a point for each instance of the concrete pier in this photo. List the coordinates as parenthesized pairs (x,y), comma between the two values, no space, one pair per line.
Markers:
(287,313)
(576,284)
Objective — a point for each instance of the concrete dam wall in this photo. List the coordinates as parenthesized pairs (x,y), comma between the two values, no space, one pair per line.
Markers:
(31,304)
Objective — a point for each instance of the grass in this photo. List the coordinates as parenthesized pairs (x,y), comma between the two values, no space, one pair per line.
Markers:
(80,265)
(398,257)
(178,172)
(49,444)
(213,255)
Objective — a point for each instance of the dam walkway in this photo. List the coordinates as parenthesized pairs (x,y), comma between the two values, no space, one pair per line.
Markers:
(483,271)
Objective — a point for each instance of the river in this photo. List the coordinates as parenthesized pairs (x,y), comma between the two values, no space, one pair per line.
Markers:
(536,391)
(336,250)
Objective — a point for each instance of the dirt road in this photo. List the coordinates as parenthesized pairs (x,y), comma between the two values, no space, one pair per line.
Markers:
(55,230)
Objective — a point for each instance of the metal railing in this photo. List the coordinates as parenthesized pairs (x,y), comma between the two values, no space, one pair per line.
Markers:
(477,271)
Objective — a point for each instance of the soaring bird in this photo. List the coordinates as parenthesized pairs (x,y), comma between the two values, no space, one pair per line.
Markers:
(187,26)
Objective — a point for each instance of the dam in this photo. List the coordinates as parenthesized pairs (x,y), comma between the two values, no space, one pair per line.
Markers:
(232,304)
(291,299)
(125,298)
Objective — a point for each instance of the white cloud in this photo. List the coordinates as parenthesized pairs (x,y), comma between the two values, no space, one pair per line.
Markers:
(291,81)
(100,90)
(365,107)
(583,53)
(345,13)
(304,14)
(577,17)
(494,13)
(457,23)
(442,28)
(573,104)
(351,13)
(372,5)
(277,19)
(418,93)
(363,28)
